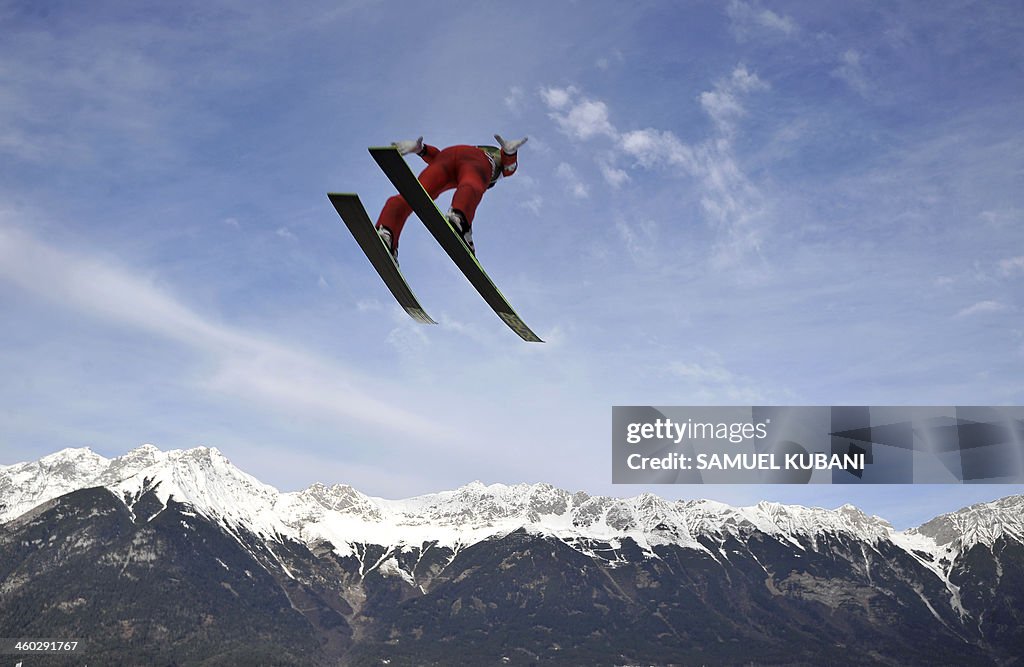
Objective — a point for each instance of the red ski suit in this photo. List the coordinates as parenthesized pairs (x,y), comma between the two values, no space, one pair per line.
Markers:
(471,170)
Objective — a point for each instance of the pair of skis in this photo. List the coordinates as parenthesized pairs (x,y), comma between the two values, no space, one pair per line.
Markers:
(358,222)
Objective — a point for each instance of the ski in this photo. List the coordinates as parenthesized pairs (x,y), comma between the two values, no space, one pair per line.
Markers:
(397,170)
(358,222)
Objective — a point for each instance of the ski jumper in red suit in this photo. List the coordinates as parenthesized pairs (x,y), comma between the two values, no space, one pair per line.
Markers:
(471,170)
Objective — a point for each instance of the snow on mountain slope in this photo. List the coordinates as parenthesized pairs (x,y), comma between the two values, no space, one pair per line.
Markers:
(983,523)
(201,477)
(27,485)
(947,536)
(786,522)
(341,515)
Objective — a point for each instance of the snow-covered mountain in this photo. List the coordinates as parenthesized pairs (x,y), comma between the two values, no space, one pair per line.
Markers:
(339,514)
(983,523)
(133,550)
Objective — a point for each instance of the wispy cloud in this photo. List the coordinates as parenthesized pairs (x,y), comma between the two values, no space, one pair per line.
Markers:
(573,185)
(533,203)
(244,366)
(64,89)
(731,202)
(749,19)
(981,308)
(613,175)
(709,380)
(723,104)
(407,339)
(606,61)
(639,239)
(1001,218)
(851,71)
(514,99)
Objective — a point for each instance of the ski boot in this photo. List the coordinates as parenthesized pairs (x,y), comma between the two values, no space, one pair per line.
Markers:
(462,228)
(385,235)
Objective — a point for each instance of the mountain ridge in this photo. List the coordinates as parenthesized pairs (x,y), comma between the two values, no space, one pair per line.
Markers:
(206,479)
(133,551)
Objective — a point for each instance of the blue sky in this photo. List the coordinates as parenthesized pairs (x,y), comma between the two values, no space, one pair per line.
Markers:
(720,203)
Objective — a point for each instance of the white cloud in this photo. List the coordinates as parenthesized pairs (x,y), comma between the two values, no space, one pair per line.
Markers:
(731,202)
(369,305)
(639,238)
(749,19)
(557,98)
(586,119)
(244,366)
(285,233)
(654,148)
(708,380)
(722,103)
(640,144)
(851,71)
(614,176)
(576,187)
(773,21)
(407,338)
(745,81)
(981,308)
(700,373)
(1002,217)
(580,119)
(534,204)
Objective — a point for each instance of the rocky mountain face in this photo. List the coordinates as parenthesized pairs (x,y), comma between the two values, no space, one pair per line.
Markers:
(179,558)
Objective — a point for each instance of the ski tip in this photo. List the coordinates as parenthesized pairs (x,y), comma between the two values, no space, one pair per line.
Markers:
(340,197)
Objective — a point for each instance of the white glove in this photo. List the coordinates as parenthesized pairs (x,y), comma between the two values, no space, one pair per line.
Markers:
(510,147)
(406,147)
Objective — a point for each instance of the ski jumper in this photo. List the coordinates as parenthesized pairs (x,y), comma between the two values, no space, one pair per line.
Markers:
(471,170)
